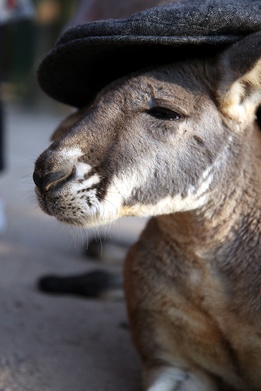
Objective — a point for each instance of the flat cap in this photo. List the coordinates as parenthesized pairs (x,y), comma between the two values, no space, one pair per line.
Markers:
(89,56)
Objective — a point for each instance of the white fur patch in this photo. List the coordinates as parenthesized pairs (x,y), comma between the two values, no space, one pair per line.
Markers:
(122,187)
(71,153)
(167,378)
(197,197)
(93,180)
(82,169)
(164,379)
(204,183)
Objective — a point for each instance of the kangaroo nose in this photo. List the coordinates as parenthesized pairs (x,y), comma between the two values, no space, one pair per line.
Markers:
(48,175)
(51,179)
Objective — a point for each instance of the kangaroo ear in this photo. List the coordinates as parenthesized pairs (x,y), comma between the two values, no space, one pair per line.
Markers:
(239,85)
(67,123)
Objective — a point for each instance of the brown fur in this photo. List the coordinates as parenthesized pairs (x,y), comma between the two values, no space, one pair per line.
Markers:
(180,143)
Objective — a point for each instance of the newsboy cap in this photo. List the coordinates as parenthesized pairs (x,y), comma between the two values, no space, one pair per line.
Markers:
(89,56)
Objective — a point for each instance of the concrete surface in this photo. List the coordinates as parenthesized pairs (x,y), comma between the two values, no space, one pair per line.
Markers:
(48,342)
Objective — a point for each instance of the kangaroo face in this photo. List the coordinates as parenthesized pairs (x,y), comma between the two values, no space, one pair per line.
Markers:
(149,144)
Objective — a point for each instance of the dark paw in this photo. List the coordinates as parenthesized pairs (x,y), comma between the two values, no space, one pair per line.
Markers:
(91,284)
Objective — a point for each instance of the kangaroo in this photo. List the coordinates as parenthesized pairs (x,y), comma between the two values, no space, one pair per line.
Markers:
(180,143)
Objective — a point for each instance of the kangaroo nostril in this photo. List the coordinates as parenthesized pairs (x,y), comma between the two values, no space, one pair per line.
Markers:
(38,180)
(51,179)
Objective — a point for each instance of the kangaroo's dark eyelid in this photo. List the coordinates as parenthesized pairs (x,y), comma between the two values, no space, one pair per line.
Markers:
(164,114)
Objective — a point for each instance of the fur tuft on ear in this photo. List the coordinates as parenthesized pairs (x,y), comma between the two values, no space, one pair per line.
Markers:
(239,83)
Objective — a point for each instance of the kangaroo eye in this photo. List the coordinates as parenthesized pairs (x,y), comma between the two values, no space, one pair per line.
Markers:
(164,114)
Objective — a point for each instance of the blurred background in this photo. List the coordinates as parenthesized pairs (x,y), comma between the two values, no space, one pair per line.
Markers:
(28,29)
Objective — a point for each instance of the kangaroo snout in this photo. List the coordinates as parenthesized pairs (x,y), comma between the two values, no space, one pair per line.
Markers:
(71,186)
(51,179)
(45,177)
(56,165)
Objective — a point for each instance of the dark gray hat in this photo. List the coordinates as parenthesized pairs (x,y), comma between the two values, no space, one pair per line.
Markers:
(91,55)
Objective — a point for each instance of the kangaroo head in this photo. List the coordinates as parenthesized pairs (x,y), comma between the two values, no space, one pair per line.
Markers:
(158,141)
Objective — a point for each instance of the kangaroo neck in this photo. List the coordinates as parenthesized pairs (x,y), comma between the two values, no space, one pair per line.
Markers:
(231,217)
(231,220)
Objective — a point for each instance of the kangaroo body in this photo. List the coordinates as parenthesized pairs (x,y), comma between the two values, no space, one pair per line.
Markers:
(180,143)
